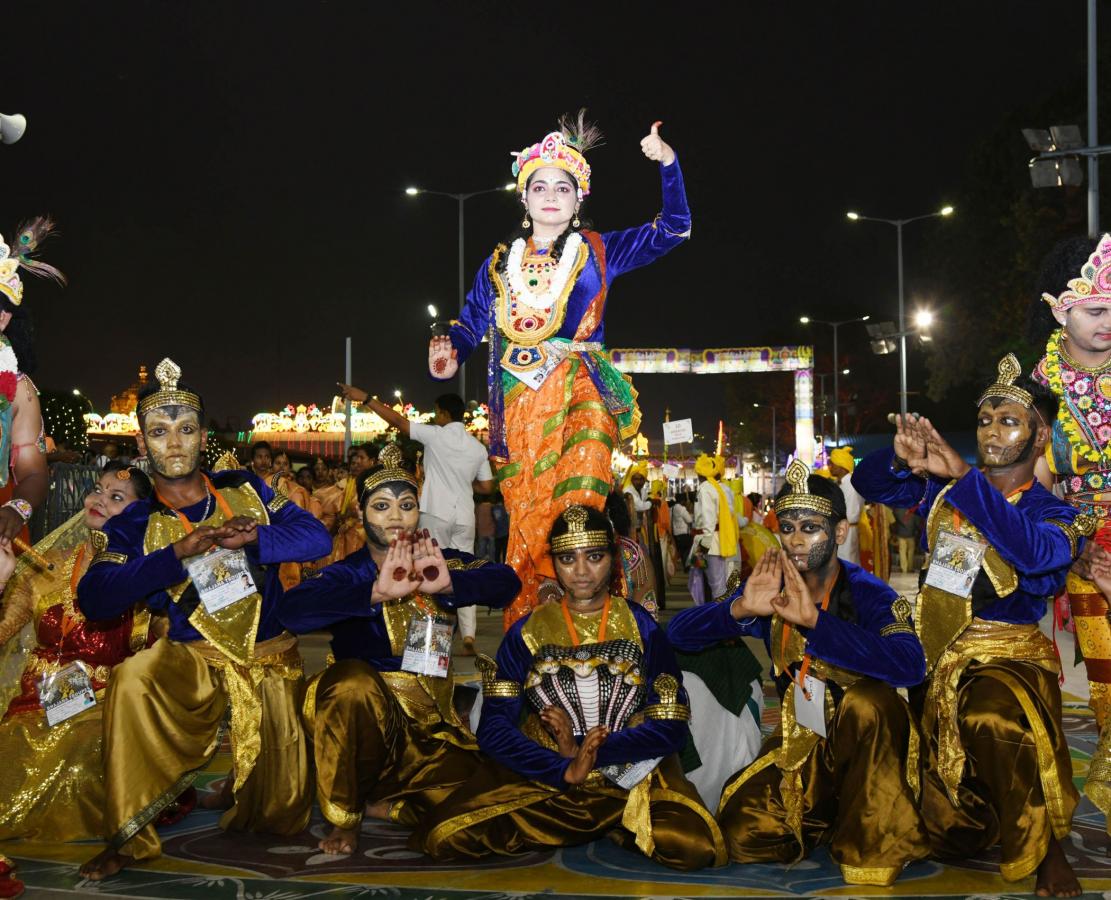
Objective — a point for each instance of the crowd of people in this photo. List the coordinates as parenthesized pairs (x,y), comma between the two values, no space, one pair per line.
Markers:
(164,616)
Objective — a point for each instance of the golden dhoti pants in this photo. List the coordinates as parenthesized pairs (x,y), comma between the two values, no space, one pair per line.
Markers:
(162,717)
(52,779)
(855,795)
(498,811)
(1010,766)
(368,750)
(1093,634)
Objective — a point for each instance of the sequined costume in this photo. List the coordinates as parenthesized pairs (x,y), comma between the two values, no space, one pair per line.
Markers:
(805,790)
(52,779)
(555,441)
(997,767)
(519,800)
(1085,418)
(165,706)
(381,733)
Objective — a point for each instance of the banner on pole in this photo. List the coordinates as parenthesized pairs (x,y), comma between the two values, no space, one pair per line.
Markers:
(678,431)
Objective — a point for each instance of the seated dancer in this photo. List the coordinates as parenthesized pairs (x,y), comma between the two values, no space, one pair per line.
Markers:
(52,776)
(381,718)
(557,404)
(996,762)
(842,766)
(204,550)
(583,716)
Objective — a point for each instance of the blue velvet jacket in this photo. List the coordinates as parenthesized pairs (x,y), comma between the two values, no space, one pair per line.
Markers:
(849,634)
(109,588)
(338,599)
(624,251)
(1027,534)
(499,732)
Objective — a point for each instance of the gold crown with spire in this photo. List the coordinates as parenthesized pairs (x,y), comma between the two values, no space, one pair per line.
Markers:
(1008,373)
(391,468)
(577,537)
(799,497)
(168,374)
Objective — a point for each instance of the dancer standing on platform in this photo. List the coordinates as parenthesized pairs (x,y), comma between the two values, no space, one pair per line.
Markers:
(1077,367)
(997,766)
(23,471)
(204,550)
(557,405)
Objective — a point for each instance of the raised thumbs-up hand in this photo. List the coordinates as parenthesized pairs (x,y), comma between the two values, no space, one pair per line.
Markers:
(654,147)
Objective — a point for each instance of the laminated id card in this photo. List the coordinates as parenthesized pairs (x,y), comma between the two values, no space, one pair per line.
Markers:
(629,775)
(955,563)
(65,693)
(428,645)
(221,577)
(811,713)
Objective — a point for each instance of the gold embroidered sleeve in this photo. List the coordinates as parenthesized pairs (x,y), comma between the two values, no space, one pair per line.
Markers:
(277,502)
(731,586)
(900,611)
(492,686)
(1082,526)
(109,556)
(457,565)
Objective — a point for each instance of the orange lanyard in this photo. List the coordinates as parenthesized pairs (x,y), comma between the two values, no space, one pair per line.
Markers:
(804,669)
(571,624)
(220,502)
(958,518)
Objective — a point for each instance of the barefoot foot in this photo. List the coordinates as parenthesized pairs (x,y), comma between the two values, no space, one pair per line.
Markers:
(379,810)
(1055,876)
(105,864)
(340,841)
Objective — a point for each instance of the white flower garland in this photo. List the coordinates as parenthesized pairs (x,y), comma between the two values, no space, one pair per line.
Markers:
(8,362)
(546,300)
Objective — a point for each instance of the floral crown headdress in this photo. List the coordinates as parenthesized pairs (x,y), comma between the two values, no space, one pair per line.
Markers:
(1008,372)
(1093,285)
(168,373)
(562,149)
(577,537)
(390,458)
(30,238)
(799,497)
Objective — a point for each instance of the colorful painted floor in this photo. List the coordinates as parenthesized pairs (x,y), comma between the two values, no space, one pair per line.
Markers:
(202,862)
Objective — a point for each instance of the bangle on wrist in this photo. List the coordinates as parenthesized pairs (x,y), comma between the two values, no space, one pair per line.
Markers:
(898,464)
(22,507)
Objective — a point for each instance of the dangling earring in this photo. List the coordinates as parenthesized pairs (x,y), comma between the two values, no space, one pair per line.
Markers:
(525,223)
(575,223)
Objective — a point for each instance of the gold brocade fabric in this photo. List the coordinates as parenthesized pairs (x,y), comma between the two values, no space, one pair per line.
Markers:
(162,717)
(546,625)
(771,815)
(940,616)
(368,750)
(983,641)
(276,657)
(1015,787)
(52,780)
(498,811)
(232,629)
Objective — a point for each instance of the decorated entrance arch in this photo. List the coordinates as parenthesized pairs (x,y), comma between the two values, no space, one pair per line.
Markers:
(726,360)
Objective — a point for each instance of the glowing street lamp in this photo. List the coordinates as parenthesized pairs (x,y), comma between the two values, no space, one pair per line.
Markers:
(806,320)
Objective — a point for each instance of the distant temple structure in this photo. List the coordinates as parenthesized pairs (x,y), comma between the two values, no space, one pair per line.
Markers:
(127,401)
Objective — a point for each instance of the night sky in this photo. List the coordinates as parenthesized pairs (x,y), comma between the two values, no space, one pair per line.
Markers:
(229,177)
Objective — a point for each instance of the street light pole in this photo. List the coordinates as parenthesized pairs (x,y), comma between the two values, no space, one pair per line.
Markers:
(461,199)
(1093,139)
(806,320)
(898,225)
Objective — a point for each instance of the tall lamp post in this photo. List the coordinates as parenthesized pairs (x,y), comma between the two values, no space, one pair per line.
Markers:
(806,320)
(775,469)
(898,225)
(460,199)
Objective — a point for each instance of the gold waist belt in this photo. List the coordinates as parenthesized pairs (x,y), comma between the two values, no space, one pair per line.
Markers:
(982,641)
(278,655)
